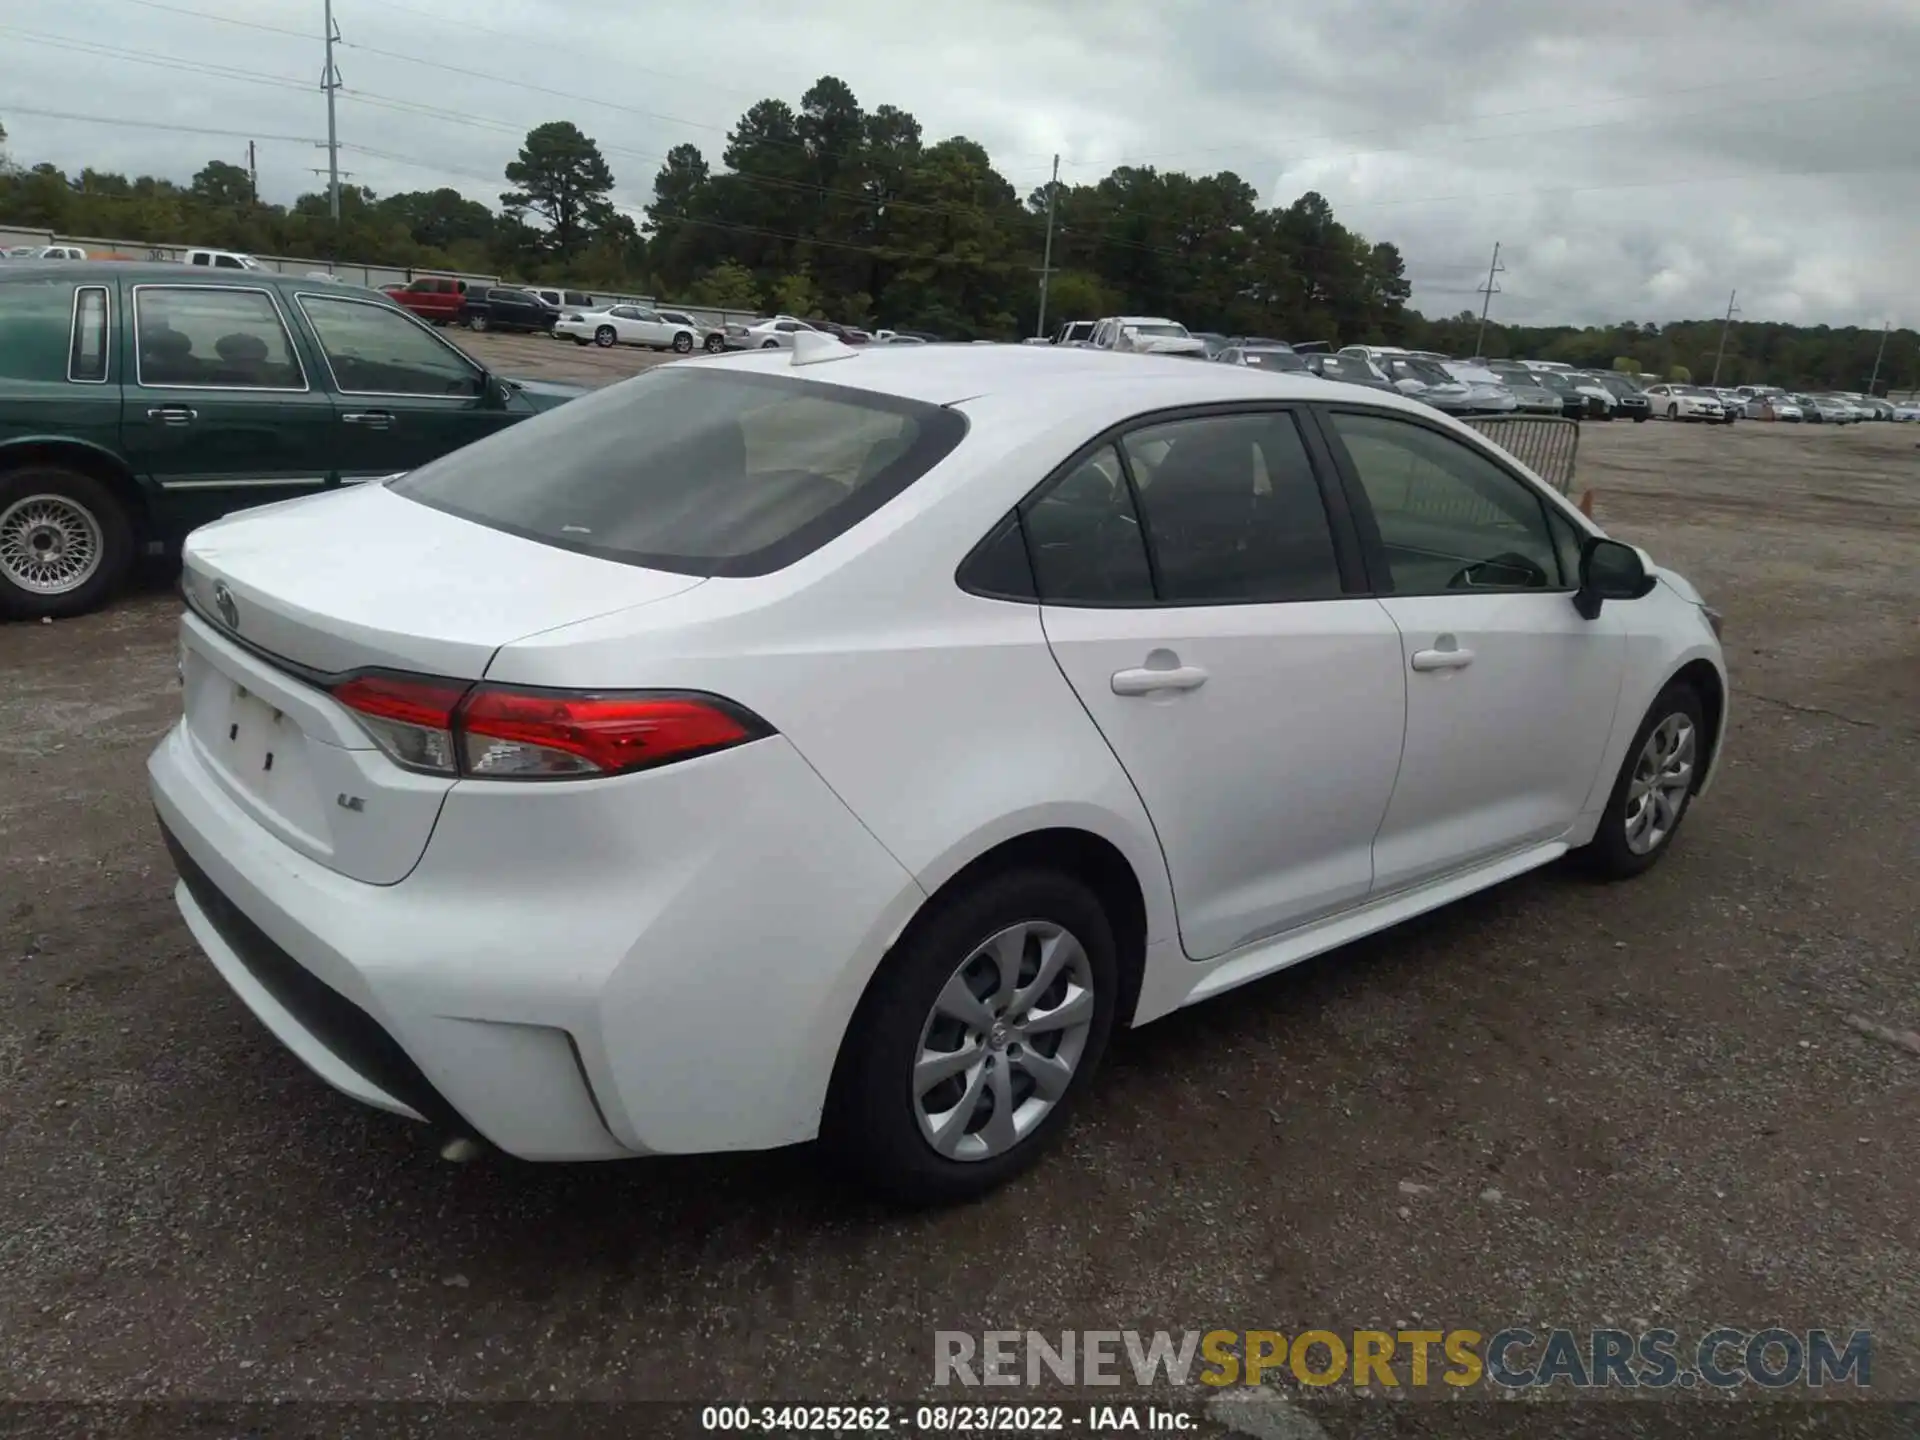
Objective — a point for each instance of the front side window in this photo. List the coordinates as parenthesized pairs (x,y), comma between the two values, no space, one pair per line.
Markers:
(87,354)
(715,473)
(376,351)
(1232,512)
(228,262)
(208,336)
(1450,519)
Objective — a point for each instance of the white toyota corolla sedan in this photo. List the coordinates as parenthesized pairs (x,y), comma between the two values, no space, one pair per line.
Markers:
(841,743)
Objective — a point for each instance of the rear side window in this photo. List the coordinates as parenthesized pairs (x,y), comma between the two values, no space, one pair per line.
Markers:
(87,357)
(716,473)
(212,336)
(1232,511)
(36,319)
(1085,537)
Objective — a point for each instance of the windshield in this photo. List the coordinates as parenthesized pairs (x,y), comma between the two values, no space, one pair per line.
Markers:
(1171,332)
(1405,367)
(1274,359)
(1470,374)
(714,473)
(1346,367)
(1553,380)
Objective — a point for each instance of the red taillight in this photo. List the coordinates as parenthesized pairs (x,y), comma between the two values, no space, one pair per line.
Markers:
(409,716)
(502,733)
(548,733)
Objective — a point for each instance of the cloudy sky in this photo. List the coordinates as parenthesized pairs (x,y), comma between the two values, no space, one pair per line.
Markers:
(1637,159)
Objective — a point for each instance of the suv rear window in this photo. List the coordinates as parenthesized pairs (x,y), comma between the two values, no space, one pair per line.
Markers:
(701,473)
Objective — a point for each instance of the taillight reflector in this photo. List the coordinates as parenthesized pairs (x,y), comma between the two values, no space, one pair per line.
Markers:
(501,732)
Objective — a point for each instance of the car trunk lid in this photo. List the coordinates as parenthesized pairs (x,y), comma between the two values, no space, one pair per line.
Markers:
(288,599)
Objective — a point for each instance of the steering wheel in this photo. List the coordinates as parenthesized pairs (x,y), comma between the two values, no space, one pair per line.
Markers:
(1506,571)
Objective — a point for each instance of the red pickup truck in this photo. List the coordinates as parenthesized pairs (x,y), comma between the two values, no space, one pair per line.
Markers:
(434,298)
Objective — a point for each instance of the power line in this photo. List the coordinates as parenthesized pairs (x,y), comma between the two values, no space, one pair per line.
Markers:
(220,19)
(146,124)
(164,62)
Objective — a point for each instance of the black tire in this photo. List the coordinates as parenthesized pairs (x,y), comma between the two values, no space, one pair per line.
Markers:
(1673,412)
(606,337)
(109,522)
(870,1123)
(716,343)
(581,341)
(683,343)
(1608,854)
(1640,419)
(770,345)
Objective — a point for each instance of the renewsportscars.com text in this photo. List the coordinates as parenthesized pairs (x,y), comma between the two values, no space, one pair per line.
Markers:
(1516,1358)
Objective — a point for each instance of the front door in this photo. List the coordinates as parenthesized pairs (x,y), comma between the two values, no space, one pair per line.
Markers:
(403,395)
(218,410)
(1256,705)
(1510,693)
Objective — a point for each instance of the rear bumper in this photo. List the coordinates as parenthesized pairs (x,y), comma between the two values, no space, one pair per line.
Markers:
(569,974)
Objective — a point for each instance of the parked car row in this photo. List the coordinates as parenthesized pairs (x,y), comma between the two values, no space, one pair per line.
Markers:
(777,332)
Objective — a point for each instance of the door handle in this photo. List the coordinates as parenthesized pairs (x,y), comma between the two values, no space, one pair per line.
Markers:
(372,419)
(1145,682)
(1444,657)
(173,414)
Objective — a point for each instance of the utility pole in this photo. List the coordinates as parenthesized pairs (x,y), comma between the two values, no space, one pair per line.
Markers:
(1489,291)
(1725,325)
(253,176)
(1879,356)
(330,82)
(1046,256)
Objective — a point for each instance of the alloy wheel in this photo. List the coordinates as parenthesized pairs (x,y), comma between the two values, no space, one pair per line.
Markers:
(49,544)
(1662,777)
(1003,1041)
(604,337)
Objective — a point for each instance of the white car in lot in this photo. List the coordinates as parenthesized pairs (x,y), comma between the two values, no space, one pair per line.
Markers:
(774,334)
(1673,401)
(637,325)
(843,743)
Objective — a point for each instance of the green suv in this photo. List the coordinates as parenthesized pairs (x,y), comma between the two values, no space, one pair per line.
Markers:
(139,401)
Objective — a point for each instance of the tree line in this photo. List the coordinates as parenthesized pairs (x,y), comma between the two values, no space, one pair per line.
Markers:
(829,210)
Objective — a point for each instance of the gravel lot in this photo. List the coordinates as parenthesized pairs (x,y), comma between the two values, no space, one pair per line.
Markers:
(1556,1103)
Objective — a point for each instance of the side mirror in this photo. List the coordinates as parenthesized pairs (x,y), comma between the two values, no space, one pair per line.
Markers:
(1609,571)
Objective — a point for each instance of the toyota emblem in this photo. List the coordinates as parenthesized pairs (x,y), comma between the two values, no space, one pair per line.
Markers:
(223,602)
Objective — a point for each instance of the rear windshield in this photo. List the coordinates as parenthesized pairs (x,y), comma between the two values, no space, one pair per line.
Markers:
(714,472)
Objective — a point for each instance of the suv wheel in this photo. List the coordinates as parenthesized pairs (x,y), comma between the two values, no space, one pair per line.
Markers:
(716,342)
(976,1039)
(477,322)
(683,343)
(65,542)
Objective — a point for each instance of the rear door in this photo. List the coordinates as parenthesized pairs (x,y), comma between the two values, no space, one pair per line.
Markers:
(219,411)
(1510,692)
(1201,592)
(402,395)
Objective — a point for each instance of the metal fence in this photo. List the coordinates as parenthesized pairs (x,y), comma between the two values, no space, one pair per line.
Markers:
(1545,444)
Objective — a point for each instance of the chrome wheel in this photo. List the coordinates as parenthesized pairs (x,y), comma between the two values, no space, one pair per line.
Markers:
(1662,778)
(604,337)
(1003,1041)
(49,545)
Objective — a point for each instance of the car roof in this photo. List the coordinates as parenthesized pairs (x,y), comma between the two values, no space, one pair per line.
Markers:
(1046,376)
